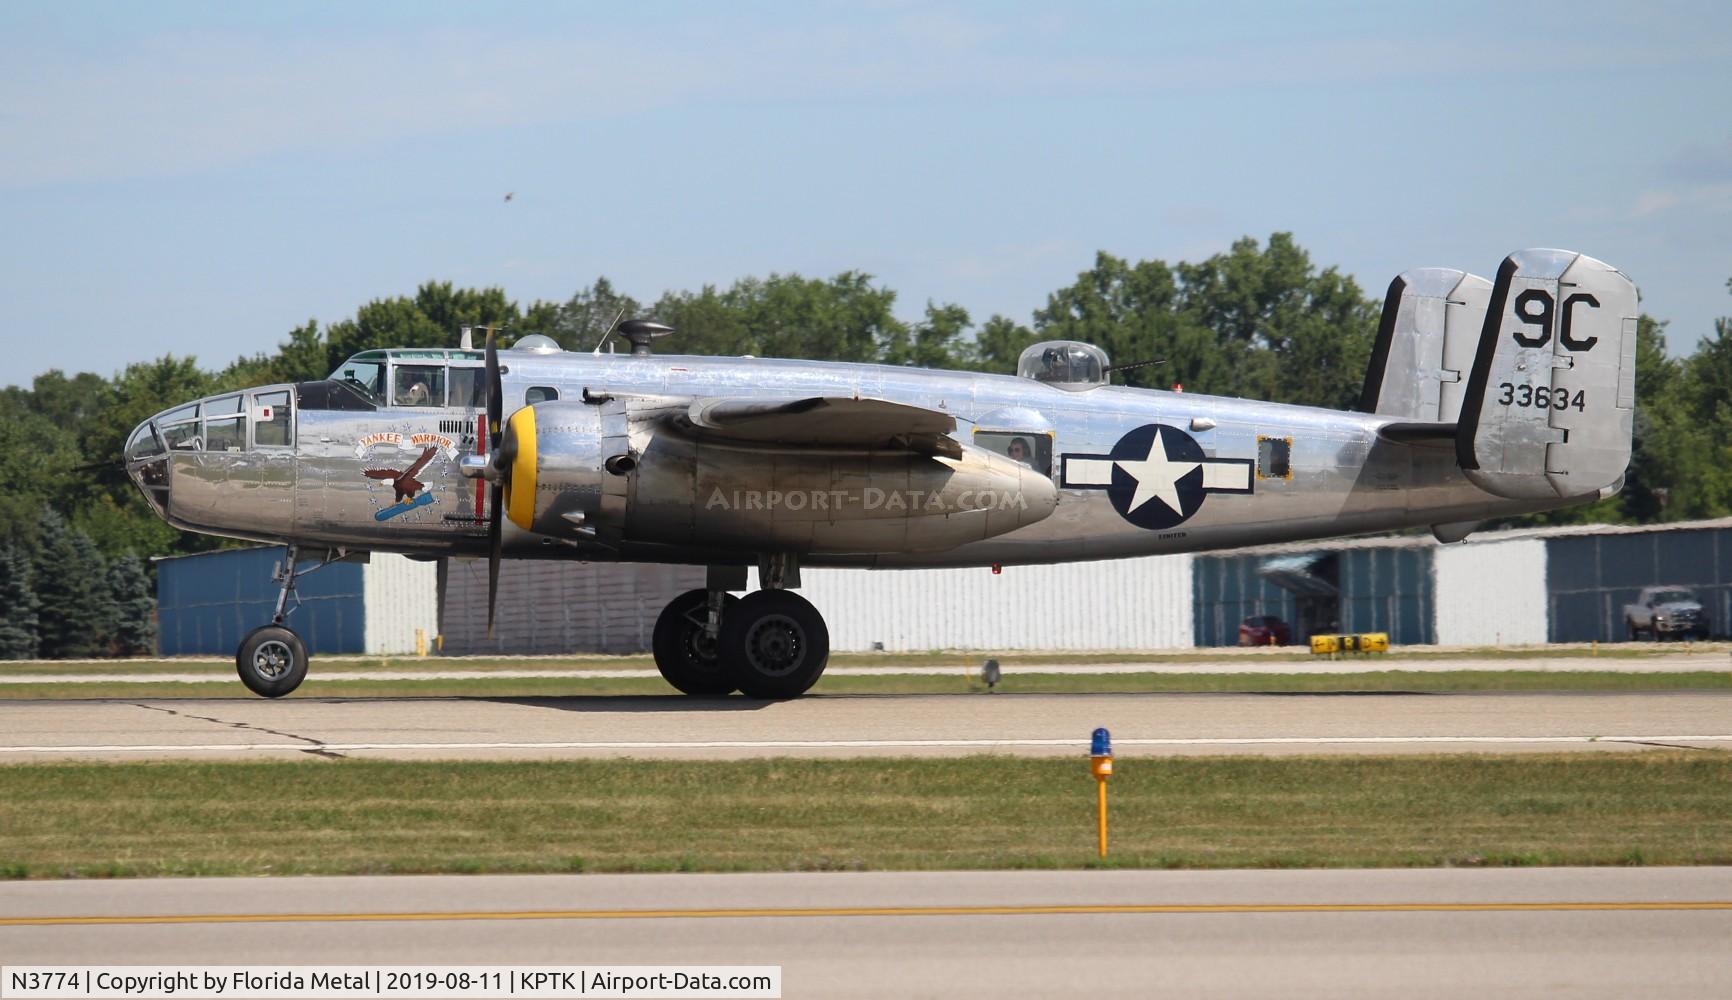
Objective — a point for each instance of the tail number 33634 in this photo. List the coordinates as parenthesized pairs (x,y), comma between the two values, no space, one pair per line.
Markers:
(1540,397)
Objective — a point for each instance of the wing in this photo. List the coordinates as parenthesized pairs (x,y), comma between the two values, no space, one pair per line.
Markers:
(380,473)
(833,421)
(420,463)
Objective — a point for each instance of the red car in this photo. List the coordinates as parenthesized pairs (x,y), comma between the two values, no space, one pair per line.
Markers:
(1264,630)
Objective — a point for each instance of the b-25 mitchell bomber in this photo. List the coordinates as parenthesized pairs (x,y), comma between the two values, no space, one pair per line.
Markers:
(1484,399)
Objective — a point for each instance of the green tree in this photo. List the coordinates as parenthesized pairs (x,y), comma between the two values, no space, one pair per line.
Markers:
(132,606)
(997,345)
(938,340)
(581,322)
(1256,321)
(18,606)
(69,576)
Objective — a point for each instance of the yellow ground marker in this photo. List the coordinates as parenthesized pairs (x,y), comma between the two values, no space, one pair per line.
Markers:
(864,911)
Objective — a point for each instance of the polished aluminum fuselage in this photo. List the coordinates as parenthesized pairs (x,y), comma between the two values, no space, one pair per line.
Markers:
(1344,478)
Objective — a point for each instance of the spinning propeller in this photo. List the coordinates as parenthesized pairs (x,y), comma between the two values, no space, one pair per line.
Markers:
(495,468)
(501,469)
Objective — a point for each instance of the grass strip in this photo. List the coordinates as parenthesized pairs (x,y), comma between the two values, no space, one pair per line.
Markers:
(227,686)
(983,812)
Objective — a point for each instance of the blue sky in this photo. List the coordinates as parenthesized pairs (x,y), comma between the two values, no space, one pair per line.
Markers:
(201,178)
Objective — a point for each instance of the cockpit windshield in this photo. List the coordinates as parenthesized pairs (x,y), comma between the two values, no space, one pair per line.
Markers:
(365,374)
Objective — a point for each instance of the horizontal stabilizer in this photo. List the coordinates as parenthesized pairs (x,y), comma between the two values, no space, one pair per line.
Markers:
(1425,344)
(1419,435)
(1551,397)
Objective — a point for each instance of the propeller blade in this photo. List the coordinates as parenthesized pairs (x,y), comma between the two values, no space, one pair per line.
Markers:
(495,392)
(495,534)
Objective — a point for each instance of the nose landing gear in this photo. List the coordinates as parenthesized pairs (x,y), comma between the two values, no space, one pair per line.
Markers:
(272,660)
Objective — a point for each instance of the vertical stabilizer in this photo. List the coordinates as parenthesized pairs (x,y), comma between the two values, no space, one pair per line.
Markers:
(1425,345)
(1548,407)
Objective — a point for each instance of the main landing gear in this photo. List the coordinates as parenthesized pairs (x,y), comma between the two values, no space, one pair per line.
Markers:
(272,660)
(770,644)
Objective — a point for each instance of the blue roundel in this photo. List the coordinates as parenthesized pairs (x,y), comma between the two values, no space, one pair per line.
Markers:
(1157,475)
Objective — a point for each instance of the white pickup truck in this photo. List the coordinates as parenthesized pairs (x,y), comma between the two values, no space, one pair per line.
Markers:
(1666,611)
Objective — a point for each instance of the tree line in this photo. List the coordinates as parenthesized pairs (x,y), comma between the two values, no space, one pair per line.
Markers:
(1259,320)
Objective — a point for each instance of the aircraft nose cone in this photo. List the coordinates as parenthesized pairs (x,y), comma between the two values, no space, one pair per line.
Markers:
(147,465)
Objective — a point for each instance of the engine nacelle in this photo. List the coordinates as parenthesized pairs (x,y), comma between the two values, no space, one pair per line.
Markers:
(608,472)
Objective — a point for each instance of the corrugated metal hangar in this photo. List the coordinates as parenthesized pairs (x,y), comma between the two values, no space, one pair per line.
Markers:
(1565,584)
(206,603)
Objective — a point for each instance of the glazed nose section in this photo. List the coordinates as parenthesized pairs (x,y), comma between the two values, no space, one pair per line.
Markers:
(147,464)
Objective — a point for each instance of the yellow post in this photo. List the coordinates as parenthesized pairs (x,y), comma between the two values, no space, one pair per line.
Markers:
(1101,765)
(1101,784)
(420,642)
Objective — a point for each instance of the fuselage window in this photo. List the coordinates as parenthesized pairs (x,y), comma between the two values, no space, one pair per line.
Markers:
(1274,458)
(540,394)
(1031,449)
(271,427)
(468,388)
(419,385)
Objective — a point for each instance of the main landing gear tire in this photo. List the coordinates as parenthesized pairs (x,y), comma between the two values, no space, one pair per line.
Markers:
(271,661)
(775,644)
(684,653)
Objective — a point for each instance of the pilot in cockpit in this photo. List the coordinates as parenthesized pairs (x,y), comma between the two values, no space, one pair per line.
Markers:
(412,389)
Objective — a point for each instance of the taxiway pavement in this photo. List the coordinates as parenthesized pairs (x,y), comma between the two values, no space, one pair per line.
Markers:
(862,725)
(1412,933)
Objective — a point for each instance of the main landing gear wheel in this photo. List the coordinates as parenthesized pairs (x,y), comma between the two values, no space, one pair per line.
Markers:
(685,652)
(774,644)
(271,661)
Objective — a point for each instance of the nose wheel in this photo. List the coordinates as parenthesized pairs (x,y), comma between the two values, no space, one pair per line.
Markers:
(272,661)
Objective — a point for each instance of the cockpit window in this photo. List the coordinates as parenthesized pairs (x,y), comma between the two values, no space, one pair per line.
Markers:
(468,388)
(419,385)
(365,377)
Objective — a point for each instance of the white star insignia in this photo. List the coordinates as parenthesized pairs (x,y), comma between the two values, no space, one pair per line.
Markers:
(1157,477)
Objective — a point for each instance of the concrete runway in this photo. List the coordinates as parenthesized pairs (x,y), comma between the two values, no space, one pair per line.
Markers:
(1412,933)
(857,725)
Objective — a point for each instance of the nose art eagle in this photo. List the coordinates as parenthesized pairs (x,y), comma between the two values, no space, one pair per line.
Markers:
(404,482)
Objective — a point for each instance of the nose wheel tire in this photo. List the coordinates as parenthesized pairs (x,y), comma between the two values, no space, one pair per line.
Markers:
(271,661)
(685,653)
(775,644)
